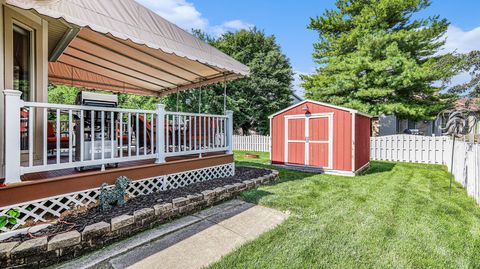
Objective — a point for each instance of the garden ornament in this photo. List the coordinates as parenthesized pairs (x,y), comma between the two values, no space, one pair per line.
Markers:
(459,124)
(115,194)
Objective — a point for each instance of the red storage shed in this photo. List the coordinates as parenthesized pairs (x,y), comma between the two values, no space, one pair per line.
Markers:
(321,137)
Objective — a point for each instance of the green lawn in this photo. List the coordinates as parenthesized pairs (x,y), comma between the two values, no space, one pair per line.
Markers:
(397,215)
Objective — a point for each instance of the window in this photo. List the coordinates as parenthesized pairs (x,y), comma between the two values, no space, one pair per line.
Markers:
(22,62)
(411,124)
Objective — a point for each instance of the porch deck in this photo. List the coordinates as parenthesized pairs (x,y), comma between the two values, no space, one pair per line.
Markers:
(40,185)
(125,165)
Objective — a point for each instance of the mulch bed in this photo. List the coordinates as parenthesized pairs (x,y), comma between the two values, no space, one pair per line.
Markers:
(79,221)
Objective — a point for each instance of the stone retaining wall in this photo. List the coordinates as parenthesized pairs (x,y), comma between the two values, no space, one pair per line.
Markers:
(41,252)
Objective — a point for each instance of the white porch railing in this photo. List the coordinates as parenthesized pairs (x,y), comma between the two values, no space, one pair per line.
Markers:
(43,137)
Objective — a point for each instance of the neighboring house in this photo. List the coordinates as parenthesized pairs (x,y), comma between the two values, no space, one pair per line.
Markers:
(105,45)
(390,124)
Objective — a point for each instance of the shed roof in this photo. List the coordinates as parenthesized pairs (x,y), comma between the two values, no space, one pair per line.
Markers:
(322,104)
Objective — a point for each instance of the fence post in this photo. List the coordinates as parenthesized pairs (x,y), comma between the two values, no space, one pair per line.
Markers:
(229,115)
(160,133)
(13,103)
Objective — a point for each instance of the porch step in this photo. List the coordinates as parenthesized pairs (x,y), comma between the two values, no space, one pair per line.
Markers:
(171,239)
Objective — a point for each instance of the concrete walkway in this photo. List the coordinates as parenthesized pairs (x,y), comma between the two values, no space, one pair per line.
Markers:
(190,242)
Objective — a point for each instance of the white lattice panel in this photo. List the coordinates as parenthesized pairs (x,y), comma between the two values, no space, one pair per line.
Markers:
(40,210)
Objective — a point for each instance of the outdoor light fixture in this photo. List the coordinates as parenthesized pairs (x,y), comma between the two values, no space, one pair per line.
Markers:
(306,109)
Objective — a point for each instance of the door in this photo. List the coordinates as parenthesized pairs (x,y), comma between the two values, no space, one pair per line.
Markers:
(309,140)
(296,141)
(318,142)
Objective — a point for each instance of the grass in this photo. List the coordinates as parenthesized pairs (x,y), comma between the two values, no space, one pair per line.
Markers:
(397,215)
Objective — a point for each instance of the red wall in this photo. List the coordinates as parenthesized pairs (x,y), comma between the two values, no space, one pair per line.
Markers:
(342,134)
(362,140)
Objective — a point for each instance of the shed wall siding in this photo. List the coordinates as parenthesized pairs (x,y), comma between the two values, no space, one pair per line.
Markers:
(342,134)
(362,141)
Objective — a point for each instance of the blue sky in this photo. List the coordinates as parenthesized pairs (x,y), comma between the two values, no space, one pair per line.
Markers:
(287,20)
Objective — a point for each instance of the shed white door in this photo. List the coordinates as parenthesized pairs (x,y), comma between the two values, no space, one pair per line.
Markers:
(309,141)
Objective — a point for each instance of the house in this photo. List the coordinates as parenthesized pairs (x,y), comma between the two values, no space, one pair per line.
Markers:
(54,156)
(390,124)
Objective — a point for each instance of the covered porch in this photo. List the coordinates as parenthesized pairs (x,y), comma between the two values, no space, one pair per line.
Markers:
(118,48)
(55,156)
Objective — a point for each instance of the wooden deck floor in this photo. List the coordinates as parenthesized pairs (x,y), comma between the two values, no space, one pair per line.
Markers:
(72,171)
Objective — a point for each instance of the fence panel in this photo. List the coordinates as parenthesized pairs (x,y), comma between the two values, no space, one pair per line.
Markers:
(409,148)
(251,143)
(466,166)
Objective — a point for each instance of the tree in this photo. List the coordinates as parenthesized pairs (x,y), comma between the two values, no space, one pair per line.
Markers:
(252,99)
(374,57)
(469,63)
(62,94)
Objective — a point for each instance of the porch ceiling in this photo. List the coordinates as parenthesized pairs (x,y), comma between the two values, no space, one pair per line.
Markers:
(121,46)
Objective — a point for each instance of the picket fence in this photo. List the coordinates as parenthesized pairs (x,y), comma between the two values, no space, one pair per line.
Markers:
(251,143)
(408,148)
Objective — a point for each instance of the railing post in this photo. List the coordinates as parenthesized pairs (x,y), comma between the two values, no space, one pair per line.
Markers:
(160,133)
(13,103)
(229,130)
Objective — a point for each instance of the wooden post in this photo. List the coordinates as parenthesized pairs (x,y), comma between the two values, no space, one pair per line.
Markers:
(12,135)
(229,130)
(161,133)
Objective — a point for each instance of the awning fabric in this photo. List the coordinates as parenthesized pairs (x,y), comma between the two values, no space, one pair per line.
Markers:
(122,46)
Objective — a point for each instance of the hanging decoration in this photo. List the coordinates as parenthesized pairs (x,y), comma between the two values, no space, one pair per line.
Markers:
(459,124)
(225,95)
(177,99)
(200,100)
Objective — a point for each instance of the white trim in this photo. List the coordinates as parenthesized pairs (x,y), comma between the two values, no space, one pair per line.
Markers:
(32,94)
(307,141)
(58,166)
(285,141)
(353,141)
(2,99)
(322,104)
(315,115)
(270,141)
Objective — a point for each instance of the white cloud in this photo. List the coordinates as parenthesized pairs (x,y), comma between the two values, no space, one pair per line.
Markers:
(185,15)
(180,12)
(233,25)
(462,41)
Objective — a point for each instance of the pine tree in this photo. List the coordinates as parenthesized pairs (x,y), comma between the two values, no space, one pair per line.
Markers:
(375,57)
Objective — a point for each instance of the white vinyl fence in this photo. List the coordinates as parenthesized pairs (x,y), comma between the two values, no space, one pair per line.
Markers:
(466,167)
(409,148)
(251,142)
(433,150)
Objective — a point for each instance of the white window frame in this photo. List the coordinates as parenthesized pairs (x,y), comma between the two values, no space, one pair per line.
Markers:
(33,57)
